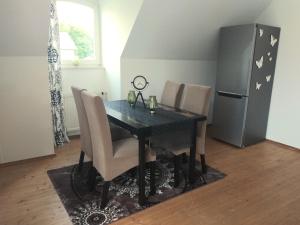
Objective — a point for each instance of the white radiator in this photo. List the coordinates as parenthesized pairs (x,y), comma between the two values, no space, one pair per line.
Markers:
(71,118)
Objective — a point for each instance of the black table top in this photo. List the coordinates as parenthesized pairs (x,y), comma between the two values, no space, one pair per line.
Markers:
(139,120)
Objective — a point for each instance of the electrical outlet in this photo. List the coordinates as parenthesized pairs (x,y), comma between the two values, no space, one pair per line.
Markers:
(104,95)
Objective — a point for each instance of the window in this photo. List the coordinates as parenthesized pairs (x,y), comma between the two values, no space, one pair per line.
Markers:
(79,32)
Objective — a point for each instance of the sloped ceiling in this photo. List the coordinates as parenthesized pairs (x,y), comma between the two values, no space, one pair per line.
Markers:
(24,27)
(186,29)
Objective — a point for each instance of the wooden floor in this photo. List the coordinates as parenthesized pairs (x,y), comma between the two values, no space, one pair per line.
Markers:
(262,187)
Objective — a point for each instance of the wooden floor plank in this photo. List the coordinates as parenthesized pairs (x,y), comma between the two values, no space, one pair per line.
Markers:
(262,186)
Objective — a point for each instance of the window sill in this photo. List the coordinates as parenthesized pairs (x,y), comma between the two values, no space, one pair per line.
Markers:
(83,66)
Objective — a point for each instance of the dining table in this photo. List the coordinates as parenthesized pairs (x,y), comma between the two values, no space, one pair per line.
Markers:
(139,121)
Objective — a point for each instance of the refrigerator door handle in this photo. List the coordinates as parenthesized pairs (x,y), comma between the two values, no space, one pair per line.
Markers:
(230,94)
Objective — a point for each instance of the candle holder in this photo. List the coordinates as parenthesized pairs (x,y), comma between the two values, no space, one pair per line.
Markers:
(131,98)
(152,104)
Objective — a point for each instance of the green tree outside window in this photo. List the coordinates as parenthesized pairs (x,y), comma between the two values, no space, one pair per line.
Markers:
(83,42)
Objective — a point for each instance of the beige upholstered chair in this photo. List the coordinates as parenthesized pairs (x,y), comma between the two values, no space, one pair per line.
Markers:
(171,94)
(195,99)
(110,158)
(85,139)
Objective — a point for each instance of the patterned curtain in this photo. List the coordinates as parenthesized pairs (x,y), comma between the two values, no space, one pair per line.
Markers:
(55,81)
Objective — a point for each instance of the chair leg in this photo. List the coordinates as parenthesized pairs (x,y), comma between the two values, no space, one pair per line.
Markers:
(132,172)
(90,173)
(176,170)
(92,178)
(152,178)
(104,196)
(184,158)
(81,158)
(203,164)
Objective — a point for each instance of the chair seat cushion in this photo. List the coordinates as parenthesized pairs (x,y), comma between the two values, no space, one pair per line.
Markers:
(177,142)
(128,148)
(118,133)
(180,151)
(172,139)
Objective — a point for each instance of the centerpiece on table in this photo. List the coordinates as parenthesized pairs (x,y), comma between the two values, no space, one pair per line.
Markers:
(139,83)
(152,104)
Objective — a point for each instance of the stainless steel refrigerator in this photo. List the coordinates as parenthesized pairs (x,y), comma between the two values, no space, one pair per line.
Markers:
(246,68)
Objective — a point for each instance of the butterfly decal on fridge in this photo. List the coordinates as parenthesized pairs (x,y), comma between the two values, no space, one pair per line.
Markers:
(258,86)
(261,32)
(260,62)
(273,40)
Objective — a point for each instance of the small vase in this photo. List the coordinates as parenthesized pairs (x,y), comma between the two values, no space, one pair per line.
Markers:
(131,98)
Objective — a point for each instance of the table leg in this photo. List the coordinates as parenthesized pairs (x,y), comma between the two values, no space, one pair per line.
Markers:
(193,153)
(203,163)
(141,167)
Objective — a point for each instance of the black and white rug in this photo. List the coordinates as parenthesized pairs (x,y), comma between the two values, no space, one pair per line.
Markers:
(83,206)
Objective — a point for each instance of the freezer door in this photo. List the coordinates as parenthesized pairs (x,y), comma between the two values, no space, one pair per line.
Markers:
(235,57)
(229,118)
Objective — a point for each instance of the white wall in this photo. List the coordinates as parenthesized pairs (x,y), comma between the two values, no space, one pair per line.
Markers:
(25,119)
(177,40)
(24,29)
(180,29)
(284,120)
(158,71)
(117,19)
(92,79)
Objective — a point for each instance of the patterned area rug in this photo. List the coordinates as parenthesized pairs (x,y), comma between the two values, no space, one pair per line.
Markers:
(83,206)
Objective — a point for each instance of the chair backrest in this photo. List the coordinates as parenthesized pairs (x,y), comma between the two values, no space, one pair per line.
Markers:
(85,138)
(171,94)
(196,99)
(100,132)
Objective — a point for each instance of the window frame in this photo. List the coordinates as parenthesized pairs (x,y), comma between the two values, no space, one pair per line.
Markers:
(97,63)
